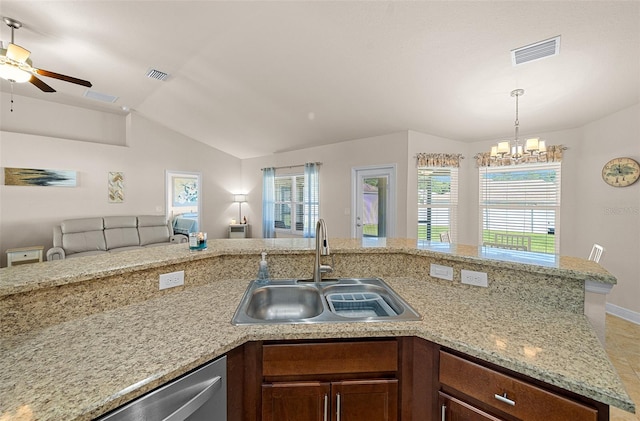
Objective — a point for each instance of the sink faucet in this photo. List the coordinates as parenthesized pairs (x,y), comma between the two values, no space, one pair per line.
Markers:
(322,249)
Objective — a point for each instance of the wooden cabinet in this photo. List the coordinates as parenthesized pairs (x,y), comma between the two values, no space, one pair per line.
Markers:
(390,379)
(366,400)
(330,381)
(452,409)
(295,401)
(471,388)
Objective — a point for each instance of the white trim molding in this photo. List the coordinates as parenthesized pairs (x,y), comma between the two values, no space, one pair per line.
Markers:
(623,313)
(597,287)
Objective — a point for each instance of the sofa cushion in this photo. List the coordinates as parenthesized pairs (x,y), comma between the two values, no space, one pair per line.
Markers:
(81,235)
(153,229)
(82,225)
(121,231)
(83,241)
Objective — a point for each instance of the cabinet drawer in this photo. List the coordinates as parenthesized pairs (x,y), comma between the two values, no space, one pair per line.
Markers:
(25,255)
(508,394)
(329,358)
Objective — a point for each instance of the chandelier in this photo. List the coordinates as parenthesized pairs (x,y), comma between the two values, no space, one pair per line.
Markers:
(531,149)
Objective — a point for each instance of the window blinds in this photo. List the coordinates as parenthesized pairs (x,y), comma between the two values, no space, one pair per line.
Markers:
(437,203)
(521,201)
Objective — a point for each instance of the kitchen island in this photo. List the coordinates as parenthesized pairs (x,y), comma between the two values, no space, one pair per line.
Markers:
(83,336)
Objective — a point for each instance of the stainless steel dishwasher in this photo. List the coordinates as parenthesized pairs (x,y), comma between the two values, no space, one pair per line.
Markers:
(198,396)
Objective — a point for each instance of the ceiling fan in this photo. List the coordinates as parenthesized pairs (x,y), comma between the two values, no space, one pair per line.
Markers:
(16,66)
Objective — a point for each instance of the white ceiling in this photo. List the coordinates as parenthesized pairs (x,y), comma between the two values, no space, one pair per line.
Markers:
(254,78)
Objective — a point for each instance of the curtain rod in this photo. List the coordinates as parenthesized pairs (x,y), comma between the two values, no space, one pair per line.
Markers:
(291,166)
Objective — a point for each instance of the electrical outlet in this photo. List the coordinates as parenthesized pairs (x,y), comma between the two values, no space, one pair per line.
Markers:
(173,279)
(442,272)
(478,279)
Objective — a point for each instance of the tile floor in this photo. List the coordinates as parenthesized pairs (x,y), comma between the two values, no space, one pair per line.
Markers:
(623,347)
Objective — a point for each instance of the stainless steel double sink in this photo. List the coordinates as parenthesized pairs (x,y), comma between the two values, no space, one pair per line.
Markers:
(332,300)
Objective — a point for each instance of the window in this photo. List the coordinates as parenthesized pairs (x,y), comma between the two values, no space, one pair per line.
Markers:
(520,207)
(289,204)
(437,203)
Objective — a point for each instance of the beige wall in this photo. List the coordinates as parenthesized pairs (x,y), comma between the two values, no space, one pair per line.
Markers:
(335,178)
(591,210)
(28,214)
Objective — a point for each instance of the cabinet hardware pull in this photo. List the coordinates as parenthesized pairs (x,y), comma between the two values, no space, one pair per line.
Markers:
(503,398)
(326,406)
(196,402)
(338,407)
(444,413)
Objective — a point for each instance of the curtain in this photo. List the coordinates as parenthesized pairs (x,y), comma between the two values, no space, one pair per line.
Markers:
(439,159)
(310,198)
(268,202)
(553,154)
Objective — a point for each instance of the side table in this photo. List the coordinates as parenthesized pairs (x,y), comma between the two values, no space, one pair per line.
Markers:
(24,255)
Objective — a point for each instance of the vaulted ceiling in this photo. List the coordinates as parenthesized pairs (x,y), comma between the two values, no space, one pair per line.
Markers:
(255,78)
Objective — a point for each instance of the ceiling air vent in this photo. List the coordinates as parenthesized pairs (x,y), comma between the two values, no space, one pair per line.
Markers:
(98,96)
(157,74)
(536,51)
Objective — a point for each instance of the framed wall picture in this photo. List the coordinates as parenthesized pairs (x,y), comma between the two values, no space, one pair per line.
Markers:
(39,177)
(116,187)
(185,191)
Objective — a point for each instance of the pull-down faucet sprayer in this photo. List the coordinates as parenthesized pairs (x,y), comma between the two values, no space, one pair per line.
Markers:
(322,249)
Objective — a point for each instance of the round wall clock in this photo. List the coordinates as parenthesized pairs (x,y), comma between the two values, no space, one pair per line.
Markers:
(621,172)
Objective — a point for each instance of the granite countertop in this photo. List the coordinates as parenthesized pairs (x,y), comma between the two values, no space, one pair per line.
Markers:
(25,278)
(85,366)
(79,369)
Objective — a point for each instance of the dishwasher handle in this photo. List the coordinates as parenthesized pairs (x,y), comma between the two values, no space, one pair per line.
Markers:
(196,402)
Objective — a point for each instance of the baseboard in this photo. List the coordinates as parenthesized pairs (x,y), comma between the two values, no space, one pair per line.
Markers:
(623,313)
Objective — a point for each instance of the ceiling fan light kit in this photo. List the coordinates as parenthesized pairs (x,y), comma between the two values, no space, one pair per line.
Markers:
(16,66)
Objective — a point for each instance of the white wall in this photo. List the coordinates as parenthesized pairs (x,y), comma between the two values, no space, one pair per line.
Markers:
(592,211)
(609,215)
(35,116)
(335,178)
(28,214)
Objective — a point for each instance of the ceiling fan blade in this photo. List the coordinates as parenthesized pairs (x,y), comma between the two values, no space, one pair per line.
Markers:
(40,84)
(17,53)
(63,77)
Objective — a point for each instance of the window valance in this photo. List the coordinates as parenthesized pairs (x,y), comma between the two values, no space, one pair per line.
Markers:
(553,154)
(439,159)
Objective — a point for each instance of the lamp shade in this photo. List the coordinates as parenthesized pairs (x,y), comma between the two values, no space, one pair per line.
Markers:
(17,53)
(503,147)
(532,145)
(543,146)
(240,198)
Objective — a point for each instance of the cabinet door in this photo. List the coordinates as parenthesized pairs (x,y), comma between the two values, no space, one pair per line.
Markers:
(299,401)
(366,400)
(453,409)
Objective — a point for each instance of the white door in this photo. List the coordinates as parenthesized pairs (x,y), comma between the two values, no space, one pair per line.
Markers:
(373,204)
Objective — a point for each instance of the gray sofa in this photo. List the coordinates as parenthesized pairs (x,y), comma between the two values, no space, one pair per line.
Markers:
(90,236)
